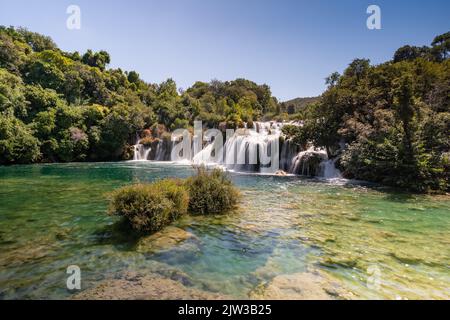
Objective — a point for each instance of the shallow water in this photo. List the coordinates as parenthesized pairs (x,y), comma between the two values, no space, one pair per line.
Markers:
(53,216)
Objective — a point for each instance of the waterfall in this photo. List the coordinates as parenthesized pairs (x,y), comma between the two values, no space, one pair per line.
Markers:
(141,152)
(314,162)
(289,151)
(204,156)
(246,151)
(159,156)
(249,149)
(307,163)
(329,170)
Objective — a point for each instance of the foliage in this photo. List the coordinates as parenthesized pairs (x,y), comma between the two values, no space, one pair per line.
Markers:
(393,118)
(150,207)
(81,110)
(211,192)
(298,134)
(97,59)
(17,144)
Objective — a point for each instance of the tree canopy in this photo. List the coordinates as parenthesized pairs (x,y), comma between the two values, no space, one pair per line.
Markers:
(73,108)
(393,118)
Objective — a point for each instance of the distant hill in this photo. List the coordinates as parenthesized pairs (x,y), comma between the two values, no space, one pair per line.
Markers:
(295,105)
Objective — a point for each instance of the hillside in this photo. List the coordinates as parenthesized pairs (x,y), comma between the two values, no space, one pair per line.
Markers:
(297,104)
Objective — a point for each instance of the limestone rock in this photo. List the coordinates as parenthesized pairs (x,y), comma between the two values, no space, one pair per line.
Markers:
(133,286)
(163,240)
(300,286)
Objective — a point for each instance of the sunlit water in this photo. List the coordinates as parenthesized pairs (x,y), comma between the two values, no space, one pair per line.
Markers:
(53,216)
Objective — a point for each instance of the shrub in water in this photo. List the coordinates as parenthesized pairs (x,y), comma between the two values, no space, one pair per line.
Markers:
(150,207)
(176,193)
(211,192)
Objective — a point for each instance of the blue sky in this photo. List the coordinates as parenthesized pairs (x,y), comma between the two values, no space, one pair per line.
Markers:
(290,45)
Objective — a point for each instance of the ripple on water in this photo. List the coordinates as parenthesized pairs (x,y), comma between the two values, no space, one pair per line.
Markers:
(289,232)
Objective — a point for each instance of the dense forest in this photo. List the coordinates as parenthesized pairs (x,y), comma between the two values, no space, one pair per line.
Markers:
(388,123)
(59,107)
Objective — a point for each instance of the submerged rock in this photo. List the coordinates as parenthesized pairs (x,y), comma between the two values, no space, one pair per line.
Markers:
(344,261)
(163,240)
(26,255)
(29,252)
(134,286)
(300,286)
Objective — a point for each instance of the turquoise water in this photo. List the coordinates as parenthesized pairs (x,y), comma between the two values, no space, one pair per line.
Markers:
(53,216)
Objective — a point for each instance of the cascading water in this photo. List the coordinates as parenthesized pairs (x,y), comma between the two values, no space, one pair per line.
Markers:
(306,163)
(160,151)
(314,162)
(289,151)
(141,152)
(250,150)
(329,170)
(204,156)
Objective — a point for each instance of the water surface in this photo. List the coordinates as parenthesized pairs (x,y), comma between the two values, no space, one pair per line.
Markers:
(53,216)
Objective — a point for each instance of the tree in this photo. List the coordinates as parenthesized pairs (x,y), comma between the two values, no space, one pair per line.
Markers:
(441,46)
(393,120)
(99,59)
(410,53)
(332,79)
(44,73)
(404,106)
(40,99)
(17,144)
(36,41)
(12,94)
(291,109)
(358,68)
(12,54)
(133,77)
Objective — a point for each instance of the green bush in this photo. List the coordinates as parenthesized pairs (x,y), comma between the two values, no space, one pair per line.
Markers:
(150,207)
(211,192)
(175,191)
(17,143)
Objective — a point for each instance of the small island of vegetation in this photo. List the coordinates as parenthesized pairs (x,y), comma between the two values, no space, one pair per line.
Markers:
(150,207)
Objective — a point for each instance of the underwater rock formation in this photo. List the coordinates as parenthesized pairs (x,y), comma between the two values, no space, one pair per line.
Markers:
(135,286)
(301,286)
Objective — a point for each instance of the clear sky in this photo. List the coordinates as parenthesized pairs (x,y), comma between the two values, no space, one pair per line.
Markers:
(290,45)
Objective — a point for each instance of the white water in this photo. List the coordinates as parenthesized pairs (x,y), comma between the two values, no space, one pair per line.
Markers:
(329,170)
(204,156)
(249,150)
(159,151)
(141,152)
